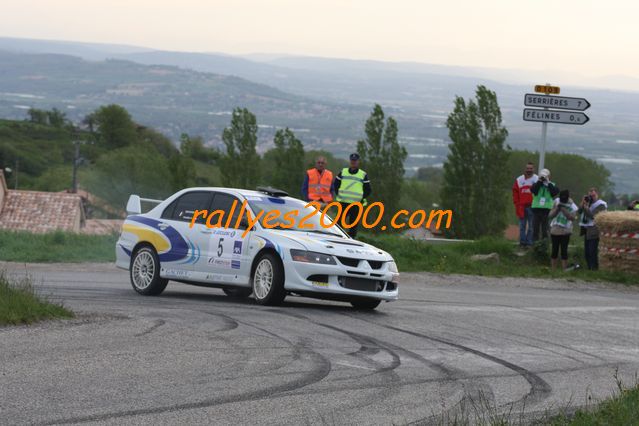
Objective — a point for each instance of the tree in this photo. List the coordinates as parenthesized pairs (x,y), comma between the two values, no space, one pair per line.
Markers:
(130,170)
(383,159)
(155,140)
(57,118)
(193,147)
(475,172)
(240,164)
(289,161)
(89,120)
(38,116)
(116,129)
(182,171)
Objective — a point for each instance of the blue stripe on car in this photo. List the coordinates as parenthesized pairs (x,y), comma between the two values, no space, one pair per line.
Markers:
(179,247)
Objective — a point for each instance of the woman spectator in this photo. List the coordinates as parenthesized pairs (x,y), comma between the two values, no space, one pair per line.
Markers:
(563,213)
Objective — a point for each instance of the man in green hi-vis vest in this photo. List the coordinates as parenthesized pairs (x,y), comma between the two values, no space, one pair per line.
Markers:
(544,192)
(352,186)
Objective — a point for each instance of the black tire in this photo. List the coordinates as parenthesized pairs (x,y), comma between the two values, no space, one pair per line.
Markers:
(145,274)
(275,293)
(239,292)
(365,305)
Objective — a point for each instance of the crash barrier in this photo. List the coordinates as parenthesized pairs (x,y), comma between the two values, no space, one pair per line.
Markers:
(370,217)
(619,240)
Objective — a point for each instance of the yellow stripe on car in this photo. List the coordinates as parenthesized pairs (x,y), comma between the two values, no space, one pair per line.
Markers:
(157,240)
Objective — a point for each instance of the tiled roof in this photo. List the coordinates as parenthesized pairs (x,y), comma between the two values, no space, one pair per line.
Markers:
(40,212)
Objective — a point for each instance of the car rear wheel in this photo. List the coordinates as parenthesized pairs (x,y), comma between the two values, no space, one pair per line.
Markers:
(365,305)
(238,292)
(145,272)
(268,280)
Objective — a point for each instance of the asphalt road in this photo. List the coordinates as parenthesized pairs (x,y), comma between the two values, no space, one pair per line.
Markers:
(452,347)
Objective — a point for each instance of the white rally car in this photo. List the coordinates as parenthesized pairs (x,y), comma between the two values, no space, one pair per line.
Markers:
(161,245)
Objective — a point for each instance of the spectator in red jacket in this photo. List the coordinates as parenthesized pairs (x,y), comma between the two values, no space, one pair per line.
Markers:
(522,198)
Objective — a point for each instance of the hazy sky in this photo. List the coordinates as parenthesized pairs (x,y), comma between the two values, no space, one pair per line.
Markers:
(592,38)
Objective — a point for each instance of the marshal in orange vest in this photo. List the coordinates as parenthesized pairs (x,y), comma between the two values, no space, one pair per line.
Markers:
(319,185)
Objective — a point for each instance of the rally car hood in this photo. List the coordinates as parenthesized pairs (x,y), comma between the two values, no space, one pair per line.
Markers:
(336,246)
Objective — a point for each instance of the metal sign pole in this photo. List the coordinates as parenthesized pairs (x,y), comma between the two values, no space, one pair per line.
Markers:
(542,150)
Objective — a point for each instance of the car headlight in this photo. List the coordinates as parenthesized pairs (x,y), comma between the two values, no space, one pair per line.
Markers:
(392,267)
(312,257)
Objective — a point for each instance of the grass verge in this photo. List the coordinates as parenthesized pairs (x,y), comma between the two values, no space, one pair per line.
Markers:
(411,255)
(56,246)
(414,255)
(621,409)
(20,305)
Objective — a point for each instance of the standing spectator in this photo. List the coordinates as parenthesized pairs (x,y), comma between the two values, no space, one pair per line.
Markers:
(522,198)
(562,215)
(351,186)
(544,192)
(591,206)
(318,183)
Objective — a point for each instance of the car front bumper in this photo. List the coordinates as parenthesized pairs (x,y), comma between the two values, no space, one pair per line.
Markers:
(332,280)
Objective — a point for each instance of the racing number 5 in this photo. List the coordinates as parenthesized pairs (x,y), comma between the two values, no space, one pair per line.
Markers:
(220,248)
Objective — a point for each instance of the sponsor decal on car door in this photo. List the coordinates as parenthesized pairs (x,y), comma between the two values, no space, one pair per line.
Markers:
(225,247)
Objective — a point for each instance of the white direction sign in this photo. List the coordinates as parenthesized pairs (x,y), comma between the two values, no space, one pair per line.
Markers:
(558,102)
(559,117)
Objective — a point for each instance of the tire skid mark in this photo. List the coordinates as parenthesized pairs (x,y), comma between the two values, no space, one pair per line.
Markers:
(368,345)
(526,342)
(533,313)
(229,323)
(321,367)
(463,376)
(539,388)
(371,346)
(156,324)
(471,390)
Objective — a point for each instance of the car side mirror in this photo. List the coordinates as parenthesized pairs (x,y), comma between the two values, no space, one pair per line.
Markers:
(244,224)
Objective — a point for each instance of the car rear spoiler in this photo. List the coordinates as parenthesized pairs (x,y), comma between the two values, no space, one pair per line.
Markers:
(134,205)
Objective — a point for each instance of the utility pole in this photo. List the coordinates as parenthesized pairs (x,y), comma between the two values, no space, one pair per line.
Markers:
(15,185)
(76,163)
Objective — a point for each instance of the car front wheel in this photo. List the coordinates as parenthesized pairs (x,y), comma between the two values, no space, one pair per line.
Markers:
(268,280)
(145,272)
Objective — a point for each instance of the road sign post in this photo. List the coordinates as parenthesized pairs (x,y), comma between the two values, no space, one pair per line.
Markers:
(542,150)
(565,111)
(544,127)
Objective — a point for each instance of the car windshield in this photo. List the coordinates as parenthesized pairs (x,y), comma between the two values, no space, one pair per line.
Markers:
(291,214)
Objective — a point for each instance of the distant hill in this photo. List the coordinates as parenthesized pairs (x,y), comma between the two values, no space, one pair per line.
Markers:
(171,99)
(93,51)
(325,99)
